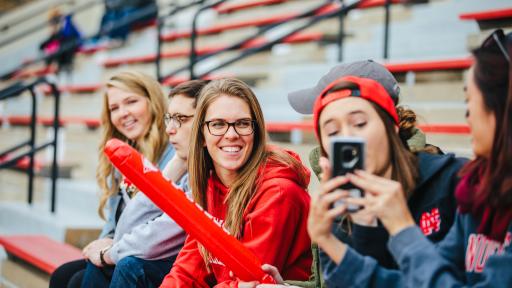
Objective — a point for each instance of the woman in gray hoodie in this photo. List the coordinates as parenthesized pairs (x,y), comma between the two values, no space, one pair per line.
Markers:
(136,240)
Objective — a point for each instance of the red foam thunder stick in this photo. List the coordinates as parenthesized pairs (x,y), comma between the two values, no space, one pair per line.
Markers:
(190,216)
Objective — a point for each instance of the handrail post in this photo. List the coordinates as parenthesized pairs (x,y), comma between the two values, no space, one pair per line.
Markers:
(387,7)
(159,25)
(32,144)
(341,34)
(56,126)
(193,36)
(14,91)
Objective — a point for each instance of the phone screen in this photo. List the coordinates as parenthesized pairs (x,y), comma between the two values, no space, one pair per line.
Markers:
(347,155)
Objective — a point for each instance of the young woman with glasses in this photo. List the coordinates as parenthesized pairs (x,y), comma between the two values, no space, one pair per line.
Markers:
(257,192)
(476,251)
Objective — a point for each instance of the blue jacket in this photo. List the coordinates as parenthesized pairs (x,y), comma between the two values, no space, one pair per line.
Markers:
(464,258)
(433,208)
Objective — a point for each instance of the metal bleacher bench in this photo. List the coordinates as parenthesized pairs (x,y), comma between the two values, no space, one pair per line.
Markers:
(40,251)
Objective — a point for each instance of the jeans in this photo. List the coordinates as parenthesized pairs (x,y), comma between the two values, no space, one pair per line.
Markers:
(129,272)
(136,272)
(97,277)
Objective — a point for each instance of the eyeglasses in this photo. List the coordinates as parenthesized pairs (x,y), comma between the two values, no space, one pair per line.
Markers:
(498,37)
(243,127)
(176,120)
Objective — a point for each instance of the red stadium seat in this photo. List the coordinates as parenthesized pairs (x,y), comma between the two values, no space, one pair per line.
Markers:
(40,251)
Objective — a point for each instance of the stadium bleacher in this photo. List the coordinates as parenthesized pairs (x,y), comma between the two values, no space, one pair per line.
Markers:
(435,91)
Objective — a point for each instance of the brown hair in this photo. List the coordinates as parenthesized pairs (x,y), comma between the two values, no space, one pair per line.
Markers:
(190,89)
(407,122)
(201,164)
(403,161)
(492,75)
(152,145)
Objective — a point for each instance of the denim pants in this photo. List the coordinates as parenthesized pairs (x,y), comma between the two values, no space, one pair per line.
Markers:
(129,272)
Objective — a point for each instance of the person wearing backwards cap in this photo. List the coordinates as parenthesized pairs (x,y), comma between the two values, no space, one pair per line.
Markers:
(358,99)
(302,101)
(476,252)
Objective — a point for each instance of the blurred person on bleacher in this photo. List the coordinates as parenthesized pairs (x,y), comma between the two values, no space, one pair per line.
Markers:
(258,192)
(359,99)
(64,40)
(476,252)
(133,111)
(129,12)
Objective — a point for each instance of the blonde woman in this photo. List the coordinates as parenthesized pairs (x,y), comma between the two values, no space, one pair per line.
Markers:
(257,192)
(132,242)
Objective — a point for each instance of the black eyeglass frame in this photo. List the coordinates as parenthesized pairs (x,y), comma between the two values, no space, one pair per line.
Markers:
(253,122)
(178,119)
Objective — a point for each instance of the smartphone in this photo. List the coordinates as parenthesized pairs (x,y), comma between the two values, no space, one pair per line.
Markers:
(347,155)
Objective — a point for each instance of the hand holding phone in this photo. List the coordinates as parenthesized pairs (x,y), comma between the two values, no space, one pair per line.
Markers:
(348,155)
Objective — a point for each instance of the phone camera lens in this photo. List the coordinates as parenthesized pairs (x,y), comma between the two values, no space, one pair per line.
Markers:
(349,152)
(350,156)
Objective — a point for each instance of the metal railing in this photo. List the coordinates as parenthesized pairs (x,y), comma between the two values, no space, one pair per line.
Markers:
(160,25)
(16,90)
(312,16)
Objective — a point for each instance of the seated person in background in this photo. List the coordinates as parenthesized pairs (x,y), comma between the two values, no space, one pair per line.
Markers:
(258,192)
(121,16)
(178,121)
(429,180)
(133,111)
(63,42)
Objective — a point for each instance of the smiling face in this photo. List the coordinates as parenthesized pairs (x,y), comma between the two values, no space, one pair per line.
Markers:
(354,116)
(181,106)
(230,151)
(482,122)
(129,112)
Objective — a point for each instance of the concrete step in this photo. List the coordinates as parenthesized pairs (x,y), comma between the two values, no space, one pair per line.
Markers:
(75,221)
(16,273)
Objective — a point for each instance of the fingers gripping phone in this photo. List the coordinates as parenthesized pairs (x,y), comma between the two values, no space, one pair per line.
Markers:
(348,155)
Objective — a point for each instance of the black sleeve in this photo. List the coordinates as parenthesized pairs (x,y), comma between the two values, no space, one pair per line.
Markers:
(371,241)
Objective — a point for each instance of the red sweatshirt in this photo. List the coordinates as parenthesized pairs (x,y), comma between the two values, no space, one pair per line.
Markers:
(274,229)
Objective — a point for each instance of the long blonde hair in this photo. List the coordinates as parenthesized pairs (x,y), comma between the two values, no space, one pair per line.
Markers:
(152,145)
(200,165)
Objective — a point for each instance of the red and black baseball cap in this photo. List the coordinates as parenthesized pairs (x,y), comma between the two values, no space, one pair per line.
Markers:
(302,100)
(365,88)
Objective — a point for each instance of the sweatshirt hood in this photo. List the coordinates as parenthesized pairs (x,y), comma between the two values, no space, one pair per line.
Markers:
(430,164)
(274,169)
